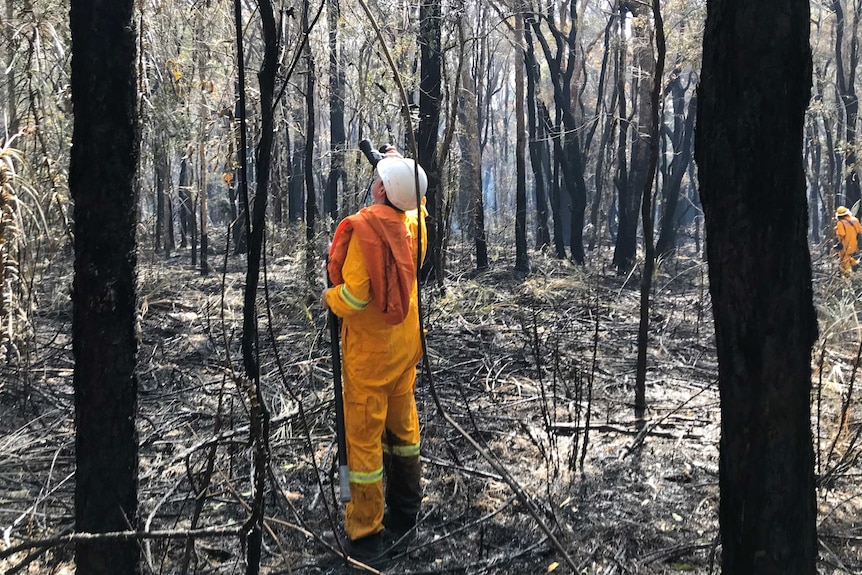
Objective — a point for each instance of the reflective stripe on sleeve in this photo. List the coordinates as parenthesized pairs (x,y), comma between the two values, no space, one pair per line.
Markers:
(411,450)
(351,300)
(365,477)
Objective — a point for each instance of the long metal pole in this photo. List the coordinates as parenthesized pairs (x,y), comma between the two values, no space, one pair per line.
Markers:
(343,474)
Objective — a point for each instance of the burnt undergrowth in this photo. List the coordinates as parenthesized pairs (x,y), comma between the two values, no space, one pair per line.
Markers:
(537,369)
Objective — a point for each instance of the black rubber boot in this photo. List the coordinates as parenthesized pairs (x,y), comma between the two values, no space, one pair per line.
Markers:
(403,489)
(374,550)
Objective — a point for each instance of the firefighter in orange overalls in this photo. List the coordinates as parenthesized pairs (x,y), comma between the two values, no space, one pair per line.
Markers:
(846,229)
(372,265)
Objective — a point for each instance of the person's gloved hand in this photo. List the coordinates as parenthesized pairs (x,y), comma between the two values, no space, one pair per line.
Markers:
(391,152)
(323,300)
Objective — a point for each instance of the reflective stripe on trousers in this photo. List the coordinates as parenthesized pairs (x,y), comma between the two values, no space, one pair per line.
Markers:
(370,413)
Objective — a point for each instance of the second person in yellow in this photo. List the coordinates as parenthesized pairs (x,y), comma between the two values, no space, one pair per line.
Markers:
(846,230)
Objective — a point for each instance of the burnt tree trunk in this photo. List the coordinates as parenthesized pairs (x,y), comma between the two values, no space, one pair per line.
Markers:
(632,188)
(11,105)
(652,144)
(621,174)
(522,260)
(103,183)
(608,122)
(567,151)
(162,176)
(845,77)
(258,413)
(311,213)
(605,143)
(553,177)
(833,178)
(240,226)
(203,56)
(204,215)
(183,192)
(431,63)
(681,140)
(337,133)
(471,166)
(188,225)
(543,234)
(754,90)
(295,188)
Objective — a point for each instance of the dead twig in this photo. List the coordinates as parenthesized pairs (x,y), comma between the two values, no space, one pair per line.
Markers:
(639,438)
(118,537)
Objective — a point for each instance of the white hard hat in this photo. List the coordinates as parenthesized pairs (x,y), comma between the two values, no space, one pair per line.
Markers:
(399,180)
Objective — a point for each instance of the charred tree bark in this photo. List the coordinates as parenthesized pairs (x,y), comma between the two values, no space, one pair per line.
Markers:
(832,177)
(280,171)
(431,62)
(103,182)
(543,235)
(295,188)
(188,225)
(170,233)
(567,149)
(846,81)
(162,175)
(607,131)
(258,413)
(754,90)
(681,140)
(646,211)
(202,179)
(605,142)
(241,221)
(631,189)
(471,166)
(185,209)
(522,260)
(310,194)
(621,175)
(556,201)
(337,133)
(202,58)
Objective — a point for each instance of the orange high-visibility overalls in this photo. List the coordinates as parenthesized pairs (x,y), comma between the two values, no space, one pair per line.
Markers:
(379,366)
(846,229)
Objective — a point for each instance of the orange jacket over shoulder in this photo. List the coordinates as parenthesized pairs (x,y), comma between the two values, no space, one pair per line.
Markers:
(372,265)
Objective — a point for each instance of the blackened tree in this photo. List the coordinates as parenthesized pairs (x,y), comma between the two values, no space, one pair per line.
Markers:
(845,82)
(471,162)
(337,131)
(567,150)
(431,65)
(522,260)
(680,136)
(537,146)
(103,182)
(631,187)
(754,90)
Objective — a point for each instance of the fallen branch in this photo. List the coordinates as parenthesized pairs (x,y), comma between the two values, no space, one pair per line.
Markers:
(466,470)
(565,427)
(673,552)
(119,536)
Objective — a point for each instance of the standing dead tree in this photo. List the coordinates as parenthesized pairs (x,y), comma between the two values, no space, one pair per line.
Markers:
(754,90)
(646,214)
(103,182)
(255,221)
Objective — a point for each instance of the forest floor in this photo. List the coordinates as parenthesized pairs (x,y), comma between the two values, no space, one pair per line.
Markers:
(538,369)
